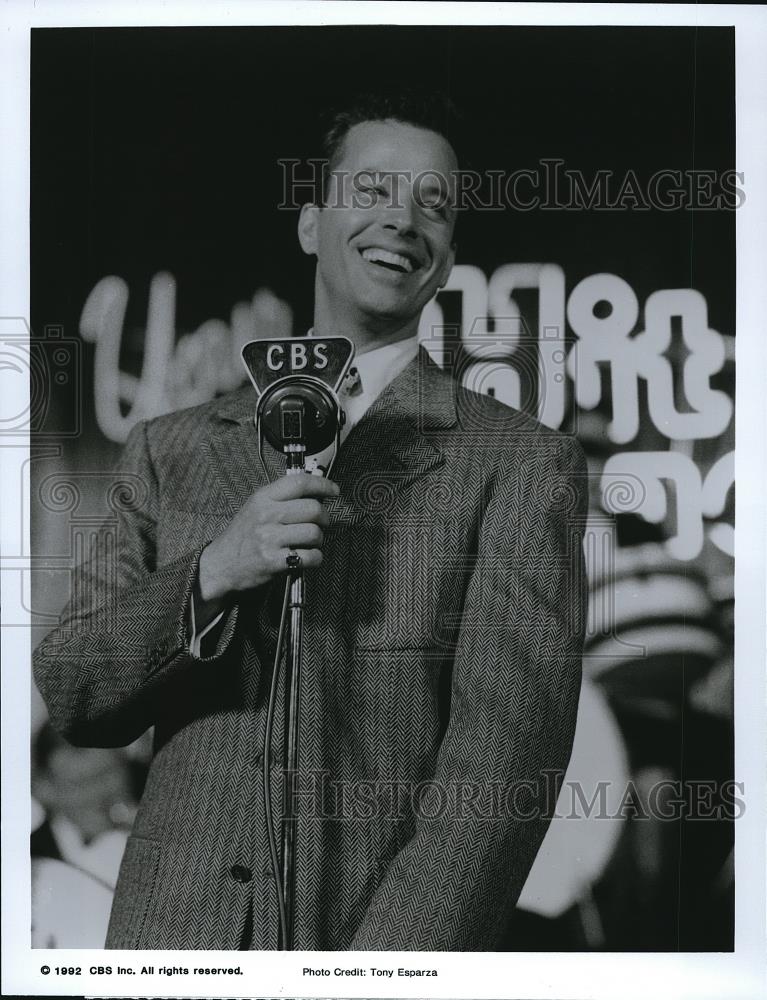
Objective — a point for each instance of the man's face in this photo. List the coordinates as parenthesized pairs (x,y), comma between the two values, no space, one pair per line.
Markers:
(384,239)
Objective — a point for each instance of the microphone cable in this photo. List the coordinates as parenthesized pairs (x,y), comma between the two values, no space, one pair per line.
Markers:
(270,832)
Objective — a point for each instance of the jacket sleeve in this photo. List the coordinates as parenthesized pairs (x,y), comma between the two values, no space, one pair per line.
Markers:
(514,697)
(121,649)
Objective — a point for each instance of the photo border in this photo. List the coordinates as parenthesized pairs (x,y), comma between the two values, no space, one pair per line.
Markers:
(597,975)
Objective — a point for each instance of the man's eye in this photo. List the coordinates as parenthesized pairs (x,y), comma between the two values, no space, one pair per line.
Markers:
(438,205)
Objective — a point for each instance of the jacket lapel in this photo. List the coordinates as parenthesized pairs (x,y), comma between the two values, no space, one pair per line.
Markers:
(394,443)
(231,447)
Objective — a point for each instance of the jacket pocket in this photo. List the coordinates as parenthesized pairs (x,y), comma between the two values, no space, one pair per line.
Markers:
(133,895)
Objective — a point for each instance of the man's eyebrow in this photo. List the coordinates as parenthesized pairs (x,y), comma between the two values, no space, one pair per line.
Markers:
(380,172)
(428,182)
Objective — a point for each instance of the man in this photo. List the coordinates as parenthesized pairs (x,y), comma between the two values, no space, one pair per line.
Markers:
(444,617)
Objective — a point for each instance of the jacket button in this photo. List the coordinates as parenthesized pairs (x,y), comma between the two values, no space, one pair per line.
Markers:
(240,873)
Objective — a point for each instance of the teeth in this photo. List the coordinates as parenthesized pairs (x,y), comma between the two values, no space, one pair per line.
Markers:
(379,255)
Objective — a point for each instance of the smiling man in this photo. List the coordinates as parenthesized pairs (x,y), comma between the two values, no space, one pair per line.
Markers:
(384,237)
(445,615)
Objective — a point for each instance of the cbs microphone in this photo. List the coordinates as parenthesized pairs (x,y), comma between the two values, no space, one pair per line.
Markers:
(297,381)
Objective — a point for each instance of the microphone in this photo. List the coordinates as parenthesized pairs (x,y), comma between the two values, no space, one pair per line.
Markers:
(297,380)
(298,412)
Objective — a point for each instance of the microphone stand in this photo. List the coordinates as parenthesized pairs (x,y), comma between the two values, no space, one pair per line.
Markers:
(291,417)
(296,605)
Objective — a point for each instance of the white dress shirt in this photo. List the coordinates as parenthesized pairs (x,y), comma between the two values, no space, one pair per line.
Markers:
(376,369)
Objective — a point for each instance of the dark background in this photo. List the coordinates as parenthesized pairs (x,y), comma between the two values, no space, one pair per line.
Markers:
(157,149)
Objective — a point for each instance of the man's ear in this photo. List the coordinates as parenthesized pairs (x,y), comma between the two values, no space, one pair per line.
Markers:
(308,224)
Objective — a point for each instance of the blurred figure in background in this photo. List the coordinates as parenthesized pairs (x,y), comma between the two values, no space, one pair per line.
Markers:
(83,808)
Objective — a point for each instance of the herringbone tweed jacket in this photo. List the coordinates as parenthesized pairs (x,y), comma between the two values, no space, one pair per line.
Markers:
(440,685)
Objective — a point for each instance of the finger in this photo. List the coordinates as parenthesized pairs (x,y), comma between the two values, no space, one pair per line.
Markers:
(310,558)
(302,511)
(301,484)
(308,536)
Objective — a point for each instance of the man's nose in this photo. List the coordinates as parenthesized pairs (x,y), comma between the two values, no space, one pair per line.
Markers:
(402,218)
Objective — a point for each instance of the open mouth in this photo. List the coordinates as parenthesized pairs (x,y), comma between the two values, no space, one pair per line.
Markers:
(389,260)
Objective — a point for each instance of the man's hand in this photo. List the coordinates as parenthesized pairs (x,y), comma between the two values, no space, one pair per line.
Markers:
(283,515)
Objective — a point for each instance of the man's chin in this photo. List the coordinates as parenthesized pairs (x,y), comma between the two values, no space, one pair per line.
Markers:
(386,319)
(391,308)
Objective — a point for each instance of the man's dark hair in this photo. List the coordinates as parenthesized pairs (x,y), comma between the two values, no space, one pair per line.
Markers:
(431,110)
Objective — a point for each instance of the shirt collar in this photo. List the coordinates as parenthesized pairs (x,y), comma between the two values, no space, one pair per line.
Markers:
(379,367)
